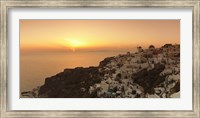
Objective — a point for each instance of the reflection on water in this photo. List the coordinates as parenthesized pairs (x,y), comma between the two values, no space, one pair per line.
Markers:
(34,68)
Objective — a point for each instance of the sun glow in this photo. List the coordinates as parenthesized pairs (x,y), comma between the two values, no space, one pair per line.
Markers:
(73,44)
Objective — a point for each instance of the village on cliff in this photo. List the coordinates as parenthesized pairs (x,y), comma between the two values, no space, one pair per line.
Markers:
(147,73)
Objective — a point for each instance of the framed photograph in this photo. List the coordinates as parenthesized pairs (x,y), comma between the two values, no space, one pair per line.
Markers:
(100,58)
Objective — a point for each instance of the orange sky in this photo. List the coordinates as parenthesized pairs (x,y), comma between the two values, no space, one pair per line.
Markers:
(95,35)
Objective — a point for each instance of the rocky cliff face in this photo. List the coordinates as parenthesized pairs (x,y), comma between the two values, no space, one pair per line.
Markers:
(71,83)
(154,72)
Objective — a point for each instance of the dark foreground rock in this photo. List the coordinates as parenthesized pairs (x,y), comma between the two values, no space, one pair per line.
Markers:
(149,79)
(72,83)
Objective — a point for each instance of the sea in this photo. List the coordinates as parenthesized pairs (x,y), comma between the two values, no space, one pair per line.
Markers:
(35,67)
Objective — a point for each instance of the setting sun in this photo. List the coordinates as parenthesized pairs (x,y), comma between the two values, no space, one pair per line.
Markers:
(73,44)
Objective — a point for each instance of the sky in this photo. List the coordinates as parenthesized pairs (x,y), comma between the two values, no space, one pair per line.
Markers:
(96,35)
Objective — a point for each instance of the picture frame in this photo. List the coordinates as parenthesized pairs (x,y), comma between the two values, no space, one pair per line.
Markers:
(8,4)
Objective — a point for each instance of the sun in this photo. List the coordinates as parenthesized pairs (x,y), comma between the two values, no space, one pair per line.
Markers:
(73,44)
(76,43)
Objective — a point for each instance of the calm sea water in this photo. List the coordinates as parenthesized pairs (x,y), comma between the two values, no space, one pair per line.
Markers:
(34,68)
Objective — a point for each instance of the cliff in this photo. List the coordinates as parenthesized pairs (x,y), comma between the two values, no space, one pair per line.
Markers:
(153,72)
(70,83)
